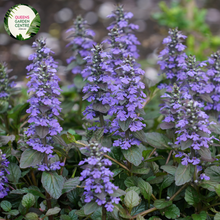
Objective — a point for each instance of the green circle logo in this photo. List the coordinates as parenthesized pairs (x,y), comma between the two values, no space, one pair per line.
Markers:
(22,22)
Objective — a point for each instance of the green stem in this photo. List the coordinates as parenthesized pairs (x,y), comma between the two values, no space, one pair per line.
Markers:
(33,178)
(101,119)
(104,214)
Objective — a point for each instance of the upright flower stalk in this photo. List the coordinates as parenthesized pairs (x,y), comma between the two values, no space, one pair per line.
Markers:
(97,177)
(213,74)
(44,104)
(97,89)
(121,22)
(3,172)
(81,45)
(173,57)
(127,91)
(190,124)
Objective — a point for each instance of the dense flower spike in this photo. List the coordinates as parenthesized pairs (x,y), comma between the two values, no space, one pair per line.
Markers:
(44,104)
(190,124)
(5,82)
(196,79)
(127,38)
(3,172)
(129,98)
(96,90)
(97,177)
(173,57)
(81,44)
(213,73)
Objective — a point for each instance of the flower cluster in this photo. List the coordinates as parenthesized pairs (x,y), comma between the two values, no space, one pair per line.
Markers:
(126,38)
(44,104)
(129,98)
(81,44)
(97,90)
(195,85)
(3,179)
(5,82)
(189,122)
(97,178)
(173,57)
(213,73)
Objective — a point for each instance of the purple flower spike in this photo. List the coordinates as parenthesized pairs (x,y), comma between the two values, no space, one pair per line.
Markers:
(44,104)
(189,122)
(3,172)
(97,178)
(81,44)
(126,36)
(173,57)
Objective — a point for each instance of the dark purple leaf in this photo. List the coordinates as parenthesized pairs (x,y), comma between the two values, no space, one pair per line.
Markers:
(42,131)
(166,125)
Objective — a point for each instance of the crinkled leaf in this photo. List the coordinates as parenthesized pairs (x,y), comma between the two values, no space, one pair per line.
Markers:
(213,172)
(90,208)
(162,203)
(131,181)
(133,155)
(131,199)
(70,184)
(6,205)
(146,188)
(28,200)
(53,183)
(191,196)
(143,170)
(30,158)
(140,135)
(183,174)
(157,140)
(15,173)
(31,216)
(53,211)
(172,212)
(12,212)
(167,181)
(169,169)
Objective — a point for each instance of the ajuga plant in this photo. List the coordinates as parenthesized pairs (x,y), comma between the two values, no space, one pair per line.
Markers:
(127,91)
(3,172)
(44,104)
(173,57)
(97,177)
(121,21)
(213,79)
(190,124)
(97,91)
(81,45)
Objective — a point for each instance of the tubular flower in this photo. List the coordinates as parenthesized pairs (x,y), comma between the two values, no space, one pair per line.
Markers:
(44,104)
(5,82)
(129,98)
(3,172)
(213,73)
(81,44)
(97,90)
(173,57)
(190,124)
(97,177)
(121,21)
